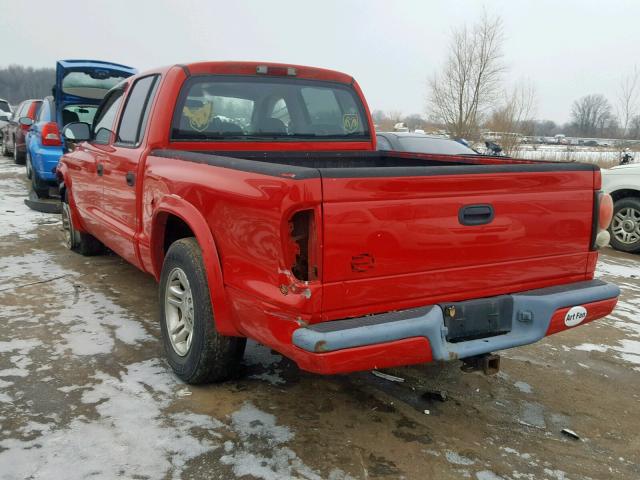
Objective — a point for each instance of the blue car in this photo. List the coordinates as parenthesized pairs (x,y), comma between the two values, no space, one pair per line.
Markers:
(79,89)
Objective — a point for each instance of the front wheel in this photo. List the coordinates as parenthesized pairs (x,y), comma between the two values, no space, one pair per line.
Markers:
(195,350)
(74,239)
(625,225)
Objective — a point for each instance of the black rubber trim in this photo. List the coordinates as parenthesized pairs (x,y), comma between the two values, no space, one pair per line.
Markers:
(595,219)
(265,168)
(433,171)
(267,163)
(338,325)
(563,288)
(185,69)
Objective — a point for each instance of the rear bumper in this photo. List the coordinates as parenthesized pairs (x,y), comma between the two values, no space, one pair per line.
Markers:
(44,161)
(420,335)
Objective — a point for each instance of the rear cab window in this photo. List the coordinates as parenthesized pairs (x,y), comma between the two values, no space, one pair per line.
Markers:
(226,107)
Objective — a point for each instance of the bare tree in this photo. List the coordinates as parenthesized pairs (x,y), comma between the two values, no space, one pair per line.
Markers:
(514,116)
(591,114)
(462,92)
(628,101)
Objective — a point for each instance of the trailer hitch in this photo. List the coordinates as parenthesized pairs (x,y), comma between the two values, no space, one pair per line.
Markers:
(488,363)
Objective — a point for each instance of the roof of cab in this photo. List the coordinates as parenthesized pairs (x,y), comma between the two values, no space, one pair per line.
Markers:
(249,68)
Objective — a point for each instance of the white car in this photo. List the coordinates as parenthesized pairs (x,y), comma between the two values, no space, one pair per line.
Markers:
(5,113)
(623,184)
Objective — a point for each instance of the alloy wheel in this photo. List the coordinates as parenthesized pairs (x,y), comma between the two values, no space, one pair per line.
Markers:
(179,311)
(626,225)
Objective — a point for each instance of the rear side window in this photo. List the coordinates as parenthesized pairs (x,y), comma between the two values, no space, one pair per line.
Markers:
(44,115)
(134,117)
(4,106)
(103,123)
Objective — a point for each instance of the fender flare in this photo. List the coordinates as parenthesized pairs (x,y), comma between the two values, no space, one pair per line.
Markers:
(174,205)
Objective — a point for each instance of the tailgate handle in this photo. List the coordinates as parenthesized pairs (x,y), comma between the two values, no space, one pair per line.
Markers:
(476,214)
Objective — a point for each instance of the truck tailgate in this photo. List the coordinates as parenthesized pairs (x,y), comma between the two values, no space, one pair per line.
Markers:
(398,241)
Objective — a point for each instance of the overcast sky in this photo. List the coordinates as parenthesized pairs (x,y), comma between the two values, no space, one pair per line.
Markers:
(566,48)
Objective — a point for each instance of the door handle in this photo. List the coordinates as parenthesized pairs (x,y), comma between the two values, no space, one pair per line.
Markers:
(476,214)
(100,169)
(131,179)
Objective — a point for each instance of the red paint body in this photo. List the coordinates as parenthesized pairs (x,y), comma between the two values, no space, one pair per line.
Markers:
(540,237)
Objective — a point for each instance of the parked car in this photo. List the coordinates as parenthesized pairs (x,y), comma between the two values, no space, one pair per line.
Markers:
(14,133)
(420,143)
(623,184)
(79,89)
(5,114)
(255,195)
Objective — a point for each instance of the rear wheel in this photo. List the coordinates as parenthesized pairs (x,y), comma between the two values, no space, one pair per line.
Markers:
(28,165)
(625,225)
(194,348)
(75,240)
(18,157)
(39,186)
(5,150)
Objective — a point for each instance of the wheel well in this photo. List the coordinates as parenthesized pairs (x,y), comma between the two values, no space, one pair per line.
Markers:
(627,192)
(175,229)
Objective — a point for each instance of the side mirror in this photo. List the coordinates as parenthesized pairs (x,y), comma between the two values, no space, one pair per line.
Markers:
(25,121)
(76,132)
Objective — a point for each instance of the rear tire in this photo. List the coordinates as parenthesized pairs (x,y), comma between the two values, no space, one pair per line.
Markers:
(75,240)
(18,158)
(29,166)
(625,225)
(195,350)
(39,186)
(5,150)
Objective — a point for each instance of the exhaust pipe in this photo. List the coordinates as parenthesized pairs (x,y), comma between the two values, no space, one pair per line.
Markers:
(489,364)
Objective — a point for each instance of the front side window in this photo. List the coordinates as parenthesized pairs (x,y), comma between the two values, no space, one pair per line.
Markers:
(247,108)
(135,111)
(103,123)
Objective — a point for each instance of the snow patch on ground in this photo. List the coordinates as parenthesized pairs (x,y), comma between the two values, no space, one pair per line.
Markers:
(261,451)
(18,220)
(523,387)
(132,436)
(457,459)
(95,322)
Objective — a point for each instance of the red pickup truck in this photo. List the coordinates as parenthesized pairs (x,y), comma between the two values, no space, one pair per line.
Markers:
(254,194)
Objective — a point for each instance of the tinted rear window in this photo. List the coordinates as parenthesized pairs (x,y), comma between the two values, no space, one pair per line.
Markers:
(442,146)
(90,85)
(4,106)
(267,108)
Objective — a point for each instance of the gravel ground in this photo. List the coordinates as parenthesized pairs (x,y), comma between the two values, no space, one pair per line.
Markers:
(85,392)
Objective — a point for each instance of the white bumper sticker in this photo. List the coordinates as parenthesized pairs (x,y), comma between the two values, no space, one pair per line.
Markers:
(575,316)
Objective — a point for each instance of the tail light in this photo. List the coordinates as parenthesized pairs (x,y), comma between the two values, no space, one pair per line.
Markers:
(302,252)
(51,135)
(602,215)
